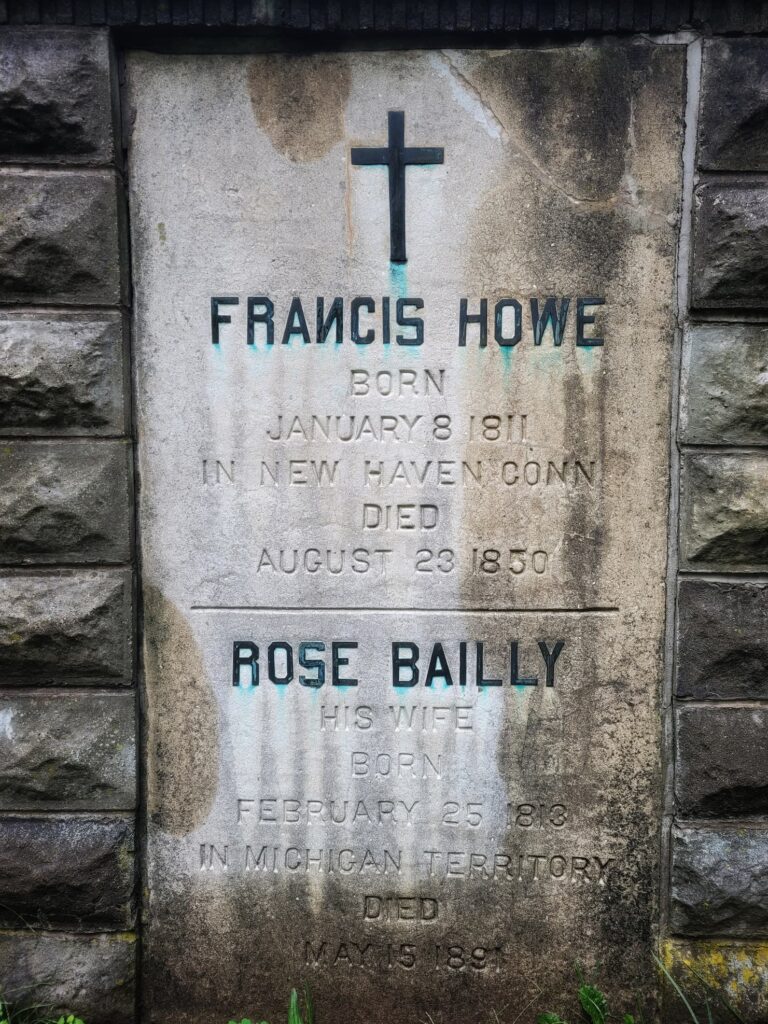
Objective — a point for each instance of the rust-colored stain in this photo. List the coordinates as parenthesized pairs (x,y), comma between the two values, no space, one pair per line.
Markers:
(299,101)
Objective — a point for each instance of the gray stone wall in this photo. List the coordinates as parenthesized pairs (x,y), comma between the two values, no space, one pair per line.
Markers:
(67,687)
(719,845)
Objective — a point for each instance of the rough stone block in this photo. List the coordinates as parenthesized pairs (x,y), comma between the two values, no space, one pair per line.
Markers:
(719,881)
(725,385)
(55,96)
(59,238)
(66,873)
(92,975)
(722,640)
(63,373)
(709,780)
(64,501)
(730,245)
(71,628)
(724,512)
(67,751)
(733,116)
(738,970)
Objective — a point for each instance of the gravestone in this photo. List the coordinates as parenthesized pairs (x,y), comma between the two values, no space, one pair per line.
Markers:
(403,335)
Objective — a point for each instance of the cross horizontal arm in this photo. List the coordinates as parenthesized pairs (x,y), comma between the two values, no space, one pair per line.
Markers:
(423,155)
(369,156)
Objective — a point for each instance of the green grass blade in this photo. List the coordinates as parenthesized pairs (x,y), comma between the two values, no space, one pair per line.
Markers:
(593,1003)
(677,989)
(309,1008)
(294,1017)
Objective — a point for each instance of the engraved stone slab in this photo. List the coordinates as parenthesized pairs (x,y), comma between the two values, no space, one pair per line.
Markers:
(402,523)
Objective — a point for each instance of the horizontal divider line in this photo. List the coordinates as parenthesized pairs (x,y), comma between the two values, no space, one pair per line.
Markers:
(726,318)
(599,610)
(708,576)
(42,167)
(717,448)
(42,308)
(722,703)
(12,691)
(754,821)
(51,568)
(74,438)
(47,814)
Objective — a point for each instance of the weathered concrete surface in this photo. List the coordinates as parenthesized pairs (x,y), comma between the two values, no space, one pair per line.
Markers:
(62,373)
(724,512)
(722,640)
(59,238)
(55,96)
(730,242)
(724,396)
(93,975)
(719,881)
(69,873)
(737,970)
(405,850)
(65,502)
(66,628)
(733,115)
(66,751)
(721,768)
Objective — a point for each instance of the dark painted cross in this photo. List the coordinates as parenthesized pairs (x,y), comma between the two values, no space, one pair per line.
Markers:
(396,156)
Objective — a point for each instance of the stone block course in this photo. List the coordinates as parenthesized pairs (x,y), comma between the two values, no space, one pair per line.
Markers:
(719,881)
(730,245)
(66,628)
(735,968)
(721,766)
(59,238)
(733,115)
(67,751)
(55,96)
(725,385)
(67,873)
(62,373)
(92,974)
(722,640)
(724,512)
(64,501)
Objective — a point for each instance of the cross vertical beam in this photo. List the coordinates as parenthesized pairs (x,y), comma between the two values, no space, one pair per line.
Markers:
(396,157)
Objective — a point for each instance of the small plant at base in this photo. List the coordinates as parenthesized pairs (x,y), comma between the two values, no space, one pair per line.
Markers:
(33,1015)
(294,1011)
(594,1007)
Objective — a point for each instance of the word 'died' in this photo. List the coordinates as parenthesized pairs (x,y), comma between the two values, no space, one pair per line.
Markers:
(444,663)
(400,908)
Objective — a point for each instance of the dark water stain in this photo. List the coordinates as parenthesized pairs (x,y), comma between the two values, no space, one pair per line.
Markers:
(183,721)
(568,109)
(299,101)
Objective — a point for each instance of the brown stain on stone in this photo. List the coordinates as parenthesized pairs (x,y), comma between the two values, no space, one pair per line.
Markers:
(299,101)
(182,721)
